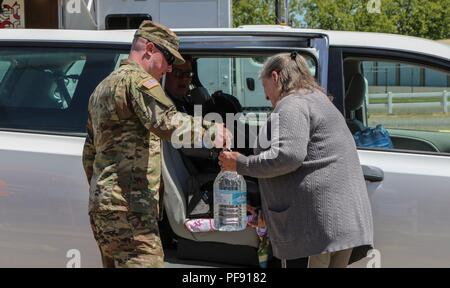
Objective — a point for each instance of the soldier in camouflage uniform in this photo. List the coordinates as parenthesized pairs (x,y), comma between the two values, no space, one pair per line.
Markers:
(129,114)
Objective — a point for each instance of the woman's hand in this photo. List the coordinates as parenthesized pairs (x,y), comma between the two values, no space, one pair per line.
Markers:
(227,160)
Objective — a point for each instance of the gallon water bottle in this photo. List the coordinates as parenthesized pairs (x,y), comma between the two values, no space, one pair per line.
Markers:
(230,202)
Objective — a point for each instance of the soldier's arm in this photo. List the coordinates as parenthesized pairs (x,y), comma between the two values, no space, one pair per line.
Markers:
(158,114)
(89,151)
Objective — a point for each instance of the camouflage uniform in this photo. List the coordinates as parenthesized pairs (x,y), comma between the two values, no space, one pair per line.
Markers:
(129,114)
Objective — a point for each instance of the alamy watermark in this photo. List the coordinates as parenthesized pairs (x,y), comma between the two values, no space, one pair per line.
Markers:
(374,6)
(74,6)
(74,256)
(249,130)
(375,259)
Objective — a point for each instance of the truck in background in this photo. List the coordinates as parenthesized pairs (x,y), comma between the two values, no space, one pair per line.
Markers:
(128,14)
(113,14)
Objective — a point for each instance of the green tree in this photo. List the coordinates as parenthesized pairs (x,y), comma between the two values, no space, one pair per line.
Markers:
(422,18)
(349,15)
(258,12)
(252,12)
(428,19)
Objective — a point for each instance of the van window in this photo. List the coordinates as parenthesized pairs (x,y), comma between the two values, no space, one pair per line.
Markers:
(4,67)
(120,58)
(47,89)
(410,100)
(239,76)
(407,96)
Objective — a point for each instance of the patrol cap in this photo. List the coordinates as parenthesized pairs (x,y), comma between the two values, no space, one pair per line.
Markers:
(162,36)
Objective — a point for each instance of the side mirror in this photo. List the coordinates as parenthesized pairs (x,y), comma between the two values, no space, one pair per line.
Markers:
(251,84)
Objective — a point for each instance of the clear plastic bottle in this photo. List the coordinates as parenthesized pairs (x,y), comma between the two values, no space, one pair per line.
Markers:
(230,202)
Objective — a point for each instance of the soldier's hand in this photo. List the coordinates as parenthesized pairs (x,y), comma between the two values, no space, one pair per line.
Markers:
(223,136)
(228,160)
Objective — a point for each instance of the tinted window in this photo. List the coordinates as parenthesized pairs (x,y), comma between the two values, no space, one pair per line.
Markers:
(4,67)
(407,96)
(47,89)
(239,76)
(410,100)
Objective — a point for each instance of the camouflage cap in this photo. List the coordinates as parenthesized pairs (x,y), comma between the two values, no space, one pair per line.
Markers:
(162,36)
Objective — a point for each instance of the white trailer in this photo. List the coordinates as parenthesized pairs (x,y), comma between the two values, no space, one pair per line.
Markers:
(123,14)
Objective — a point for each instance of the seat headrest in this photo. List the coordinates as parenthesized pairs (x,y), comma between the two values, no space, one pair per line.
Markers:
(226,102)
(222,104)
(354,96)
(41,94)
(199,95)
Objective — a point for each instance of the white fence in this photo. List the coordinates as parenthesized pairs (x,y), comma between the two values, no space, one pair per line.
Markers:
(390,100)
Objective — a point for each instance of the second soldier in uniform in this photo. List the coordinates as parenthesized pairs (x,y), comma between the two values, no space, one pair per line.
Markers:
(129,114)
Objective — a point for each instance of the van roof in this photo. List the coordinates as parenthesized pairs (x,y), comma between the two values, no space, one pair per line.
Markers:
(336,38)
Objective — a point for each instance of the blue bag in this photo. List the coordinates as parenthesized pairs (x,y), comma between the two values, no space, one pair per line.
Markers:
(377,137)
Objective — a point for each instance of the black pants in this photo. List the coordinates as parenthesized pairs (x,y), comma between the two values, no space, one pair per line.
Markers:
(294,263)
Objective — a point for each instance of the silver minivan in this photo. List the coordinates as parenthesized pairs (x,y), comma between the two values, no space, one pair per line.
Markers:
(47,76)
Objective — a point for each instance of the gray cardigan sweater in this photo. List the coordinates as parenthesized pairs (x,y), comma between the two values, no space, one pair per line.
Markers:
(313,192)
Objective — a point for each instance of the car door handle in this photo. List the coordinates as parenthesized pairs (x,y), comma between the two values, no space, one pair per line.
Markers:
(373,174)
(250,84)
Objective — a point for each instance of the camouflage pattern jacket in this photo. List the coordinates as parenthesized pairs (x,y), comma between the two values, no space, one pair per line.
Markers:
(129,114)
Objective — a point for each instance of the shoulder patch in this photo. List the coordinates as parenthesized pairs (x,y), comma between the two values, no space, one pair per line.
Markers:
(151,87)
(150,83)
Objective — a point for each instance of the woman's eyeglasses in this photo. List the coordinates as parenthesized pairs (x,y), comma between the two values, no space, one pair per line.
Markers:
(182,74)
(167,55)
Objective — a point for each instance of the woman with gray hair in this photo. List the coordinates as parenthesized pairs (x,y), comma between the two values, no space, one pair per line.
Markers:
(314,197)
